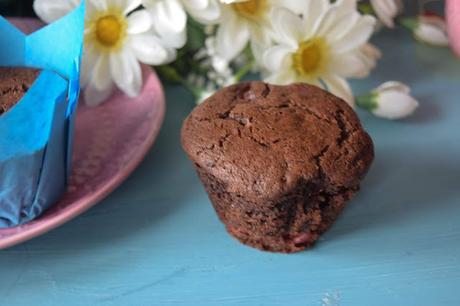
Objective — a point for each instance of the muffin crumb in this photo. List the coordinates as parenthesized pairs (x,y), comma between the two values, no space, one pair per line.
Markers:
(14,83)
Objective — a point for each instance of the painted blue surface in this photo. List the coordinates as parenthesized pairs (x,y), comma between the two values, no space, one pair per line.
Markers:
(157,241)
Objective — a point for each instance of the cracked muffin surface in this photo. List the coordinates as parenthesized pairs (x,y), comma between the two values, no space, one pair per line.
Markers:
(14,83)
(278,162)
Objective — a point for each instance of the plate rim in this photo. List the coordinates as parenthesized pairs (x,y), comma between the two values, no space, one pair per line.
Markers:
(82,205)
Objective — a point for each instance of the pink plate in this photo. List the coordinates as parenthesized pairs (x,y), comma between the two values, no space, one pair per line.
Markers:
(110,142)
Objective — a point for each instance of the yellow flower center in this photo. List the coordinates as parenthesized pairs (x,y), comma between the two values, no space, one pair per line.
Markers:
(251,9)
(108,30)
(311,57)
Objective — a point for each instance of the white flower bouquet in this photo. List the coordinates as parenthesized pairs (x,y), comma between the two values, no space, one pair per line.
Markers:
(206,44)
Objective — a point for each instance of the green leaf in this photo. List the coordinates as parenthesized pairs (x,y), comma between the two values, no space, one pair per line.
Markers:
(195,34)
(366,8)
(169,73)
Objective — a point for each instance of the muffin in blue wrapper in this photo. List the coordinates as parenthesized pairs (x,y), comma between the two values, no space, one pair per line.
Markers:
(36,134)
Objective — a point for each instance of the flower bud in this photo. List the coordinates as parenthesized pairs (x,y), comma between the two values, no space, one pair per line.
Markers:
(391,100)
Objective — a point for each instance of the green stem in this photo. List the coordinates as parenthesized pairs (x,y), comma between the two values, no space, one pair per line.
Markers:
(366,8)
(243,71)
(409,23)
(171,74)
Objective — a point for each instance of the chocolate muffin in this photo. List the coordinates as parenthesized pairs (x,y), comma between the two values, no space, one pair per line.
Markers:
(279,162)
(14,83)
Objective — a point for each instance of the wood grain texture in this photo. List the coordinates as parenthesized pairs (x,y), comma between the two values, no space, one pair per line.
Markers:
(157,241)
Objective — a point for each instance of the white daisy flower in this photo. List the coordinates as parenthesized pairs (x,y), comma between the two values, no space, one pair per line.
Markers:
(116,39)
(170,17)
(244,21)
(323,46)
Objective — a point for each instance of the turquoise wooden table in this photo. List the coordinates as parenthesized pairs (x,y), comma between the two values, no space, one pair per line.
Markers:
(157,241)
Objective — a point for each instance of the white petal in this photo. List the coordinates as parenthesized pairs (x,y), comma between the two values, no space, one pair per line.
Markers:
(136,86)
(171,29)
(94,97)
(220,65)
(349,65)
(284,77)
(394,86)
(232,37)
(355,63)
(339,87)
(346,4)
(127,5)
(198,4)
(138,82)
(100,5)
(314,14)
(51,10)
(139,22)
(126,72)
(431,34)
(274,58)
(262,35)
(258,47)
(101,78)
(173,40)
(296,6)
(120,67)
(339,19)
(395,105)
(204,11)
(357,36)
(232,1)
(370,54)
(147,49)
(342,25)
(288,26)
(436,21)
(171,55)
(386,11)
(168,16)
(88,62)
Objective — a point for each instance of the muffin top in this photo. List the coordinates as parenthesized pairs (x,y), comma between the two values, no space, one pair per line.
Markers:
(14,83)
(261,140)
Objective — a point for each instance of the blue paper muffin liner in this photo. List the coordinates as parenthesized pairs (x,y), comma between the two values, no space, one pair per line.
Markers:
(36,135)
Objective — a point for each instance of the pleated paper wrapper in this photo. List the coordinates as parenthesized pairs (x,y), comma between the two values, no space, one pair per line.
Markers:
(36,135)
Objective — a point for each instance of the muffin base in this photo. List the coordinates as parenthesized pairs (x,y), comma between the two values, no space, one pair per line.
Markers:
(291,223)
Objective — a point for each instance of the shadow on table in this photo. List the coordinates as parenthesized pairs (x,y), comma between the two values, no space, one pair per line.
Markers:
(162,181)
(400,188)
(428,111)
